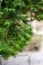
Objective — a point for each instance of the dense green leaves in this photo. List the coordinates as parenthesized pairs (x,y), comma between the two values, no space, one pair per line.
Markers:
(14,32)
(40,17)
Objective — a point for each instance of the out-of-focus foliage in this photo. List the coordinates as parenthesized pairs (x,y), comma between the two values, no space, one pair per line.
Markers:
(14,32)
(36,7)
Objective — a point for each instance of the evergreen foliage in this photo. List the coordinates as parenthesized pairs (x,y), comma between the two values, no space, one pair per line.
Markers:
(14,32)
(36,7)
